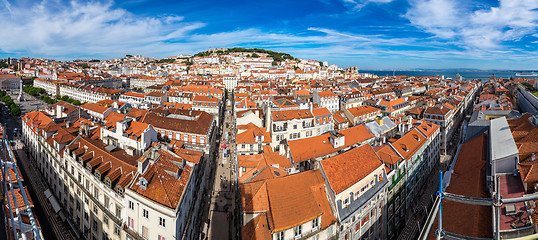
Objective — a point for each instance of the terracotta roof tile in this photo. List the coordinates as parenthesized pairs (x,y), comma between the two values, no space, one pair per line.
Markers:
(348,168)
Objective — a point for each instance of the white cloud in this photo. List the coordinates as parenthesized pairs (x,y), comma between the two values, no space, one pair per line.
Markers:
(357,5)
(90,28)
(484,28)
(8,6)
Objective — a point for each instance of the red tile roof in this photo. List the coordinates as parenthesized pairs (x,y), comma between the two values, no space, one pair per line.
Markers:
(288,201)
(346,169)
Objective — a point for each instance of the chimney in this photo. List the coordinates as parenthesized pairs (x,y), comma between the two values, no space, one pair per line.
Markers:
(143,164)
(67,124)
(337,139)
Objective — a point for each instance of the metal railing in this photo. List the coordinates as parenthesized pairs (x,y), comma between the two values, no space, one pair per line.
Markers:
(12,163)
(495,202)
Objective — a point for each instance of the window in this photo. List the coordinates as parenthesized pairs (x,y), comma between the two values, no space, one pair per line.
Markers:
(162,222)
(130,223)
(280,236)
(161,238)
(107,182)
(95,209)
(105,220)
(298,230)
(365,219)
(107,201)
(94,225)
(145,213)
(118,211)
(131,205)
(145,232)
(315,223)
(116,230)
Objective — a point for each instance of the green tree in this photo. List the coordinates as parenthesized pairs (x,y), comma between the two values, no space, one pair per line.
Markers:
(65,98)
(16,111)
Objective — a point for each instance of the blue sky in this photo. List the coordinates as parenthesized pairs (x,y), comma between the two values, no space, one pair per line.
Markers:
(370,34)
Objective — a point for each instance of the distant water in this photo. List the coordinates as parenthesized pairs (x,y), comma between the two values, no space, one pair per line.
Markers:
(466,74)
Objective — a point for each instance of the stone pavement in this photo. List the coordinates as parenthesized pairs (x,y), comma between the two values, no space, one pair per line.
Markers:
(223,194)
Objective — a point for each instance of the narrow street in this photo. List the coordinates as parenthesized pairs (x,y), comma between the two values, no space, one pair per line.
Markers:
(223,194)
(49,220)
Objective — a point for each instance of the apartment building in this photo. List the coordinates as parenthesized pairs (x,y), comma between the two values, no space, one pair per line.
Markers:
(131,136)
(10,82)
(288,207)
(134,98)
(251,139)
(156,97)
(410,160)
(356,184)
(230,82)
(305,153)
(179,97)
(290,124)
(97,112)
(88,93)
(207,104)
(327,99)
(442,115)
(193,127)
(52,87)
(323,120)
(161,201)
(110,194)
(361,114)
(391,108)
(142,82)
(353,99)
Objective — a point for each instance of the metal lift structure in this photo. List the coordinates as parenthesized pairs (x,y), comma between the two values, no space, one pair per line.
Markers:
(8,162)
(496,202)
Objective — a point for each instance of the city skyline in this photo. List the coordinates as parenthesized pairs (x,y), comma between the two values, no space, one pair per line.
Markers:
(370,34)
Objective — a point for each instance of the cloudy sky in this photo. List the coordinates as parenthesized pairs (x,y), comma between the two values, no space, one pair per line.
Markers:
(370,34)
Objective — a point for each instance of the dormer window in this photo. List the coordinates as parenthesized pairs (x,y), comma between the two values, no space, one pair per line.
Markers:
(119,190)
(143,183)
(107,182)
